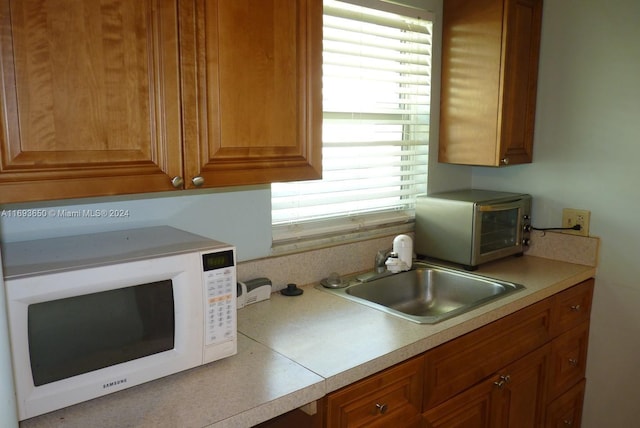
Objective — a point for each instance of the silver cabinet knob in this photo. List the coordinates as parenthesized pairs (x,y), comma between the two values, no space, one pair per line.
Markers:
(504,161)
(197,181)
(382,408)
(503,381)
(575,308)
(177,182)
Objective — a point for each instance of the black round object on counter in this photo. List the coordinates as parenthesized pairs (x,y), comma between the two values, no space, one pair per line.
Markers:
(292,290)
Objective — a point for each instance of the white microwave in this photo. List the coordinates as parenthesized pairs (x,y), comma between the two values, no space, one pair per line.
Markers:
(97,313)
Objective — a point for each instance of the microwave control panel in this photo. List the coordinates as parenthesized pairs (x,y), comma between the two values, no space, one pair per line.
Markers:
(219,276)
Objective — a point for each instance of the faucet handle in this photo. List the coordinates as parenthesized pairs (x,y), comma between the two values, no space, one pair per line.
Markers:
(381,258)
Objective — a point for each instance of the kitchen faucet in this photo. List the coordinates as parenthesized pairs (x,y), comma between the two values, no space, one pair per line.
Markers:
(396,259)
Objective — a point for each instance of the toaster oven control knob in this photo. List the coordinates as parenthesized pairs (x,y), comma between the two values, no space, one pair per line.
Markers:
(526,242)
(527,228)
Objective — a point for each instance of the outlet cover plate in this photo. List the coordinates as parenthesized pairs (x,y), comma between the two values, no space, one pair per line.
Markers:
(572,216)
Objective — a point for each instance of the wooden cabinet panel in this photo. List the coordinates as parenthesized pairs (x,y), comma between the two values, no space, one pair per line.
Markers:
(521,400)
(566,411)
(521,41)
(468,409)
(116,96)
(514,397)
(255,114)
(569,359)
(490,52)
(572,307)
(89,98)
(459,364)
(390,398)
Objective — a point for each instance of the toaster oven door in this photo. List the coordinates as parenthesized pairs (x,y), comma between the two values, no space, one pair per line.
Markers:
(499,230)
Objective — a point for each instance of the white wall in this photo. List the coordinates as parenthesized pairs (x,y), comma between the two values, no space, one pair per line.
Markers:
(241,216)
(586,153)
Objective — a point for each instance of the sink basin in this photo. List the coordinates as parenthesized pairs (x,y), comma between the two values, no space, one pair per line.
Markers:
(426,294)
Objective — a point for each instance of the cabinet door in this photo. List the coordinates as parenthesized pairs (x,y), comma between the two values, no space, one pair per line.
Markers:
(457,365)
(522,391)
(490,54)
(569,359)
(390,398)
(255,113)
(471,408)
(514,397)
(89,98)
(523,19)
(566,410)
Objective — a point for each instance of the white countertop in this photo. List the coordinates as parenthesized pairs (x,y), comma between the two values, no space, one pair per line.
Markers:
(294,350)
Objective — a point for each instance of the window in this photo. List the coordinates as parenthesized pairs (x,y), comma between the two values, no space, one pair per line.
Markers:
(376,109)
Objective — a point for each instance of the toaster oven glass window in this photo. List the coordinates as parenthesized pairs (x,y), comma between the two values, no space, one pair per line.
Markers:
(499,229)
(76,335)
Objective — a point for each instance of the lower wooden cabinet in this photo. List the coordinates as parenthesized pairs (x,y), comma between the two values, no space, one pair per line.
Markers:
(513,397)
(392,398)
(566,410)
(569,359)
(524,370)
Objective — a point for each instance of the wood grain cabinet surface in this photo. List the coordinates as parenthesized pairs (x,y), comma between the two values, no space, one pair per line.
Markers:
(255,113)
(490,53)
(543,352)
(513,397)
(118,96)
(391,398)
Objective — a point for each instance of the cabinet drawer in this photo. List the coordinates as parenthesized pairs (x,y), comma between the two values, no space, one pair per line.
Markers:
(571,307)
(568,359)
(390,398)
(566,410)
(457,365)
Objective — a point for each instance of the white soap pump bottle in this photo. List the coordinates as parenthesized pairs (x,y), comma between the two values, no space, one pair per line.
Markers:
(402,254)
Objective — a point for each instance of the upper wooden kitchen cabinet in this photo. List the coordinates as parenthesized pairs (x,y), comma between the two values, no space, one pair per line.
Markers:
(116,96)
(490,52)
(255,112)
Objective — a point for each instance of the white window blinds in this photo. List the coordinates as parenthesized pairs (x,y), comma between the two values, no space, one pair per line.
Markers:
(376,104)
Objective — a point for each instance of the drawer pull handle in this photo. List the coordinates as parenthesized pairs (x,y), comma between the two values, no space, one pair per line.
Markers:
(573,362)
(503,381)
(575,308)
(382,408)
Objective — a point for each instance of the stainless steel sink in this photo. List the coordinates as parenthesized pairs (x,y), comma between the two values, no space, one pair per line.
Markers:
(426,294)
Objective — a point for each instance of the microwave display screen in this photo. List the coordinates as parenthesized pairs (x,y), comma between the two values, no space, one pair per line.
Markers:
(80,334)
(218,260)
(499,229)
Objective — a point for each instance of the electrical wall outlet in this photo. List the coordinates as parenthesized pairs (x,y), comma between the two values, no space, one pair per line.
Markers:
(571,217)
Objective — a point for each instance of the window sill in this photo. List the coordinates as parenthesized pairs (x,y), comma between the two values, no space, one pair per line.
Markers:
(307,243)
